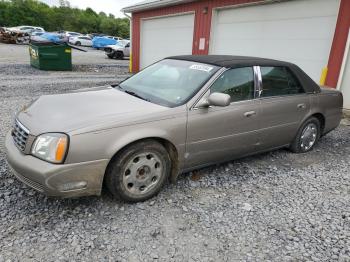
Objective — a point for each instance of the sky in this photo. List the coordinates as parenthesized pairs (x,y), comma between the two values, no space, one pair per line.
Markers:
(107,6)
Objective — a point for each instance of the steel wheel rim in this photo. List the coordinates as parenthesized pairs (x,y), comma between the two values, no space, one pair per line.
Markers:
(142,173)
(308,136)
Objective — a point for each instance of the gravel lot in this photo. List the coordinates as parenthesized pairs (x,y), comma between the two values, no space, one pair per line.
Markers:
(277,206)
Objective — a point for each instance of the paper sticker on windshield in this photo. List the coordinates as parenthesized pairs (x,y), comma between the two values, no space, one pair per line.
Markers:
(201,68)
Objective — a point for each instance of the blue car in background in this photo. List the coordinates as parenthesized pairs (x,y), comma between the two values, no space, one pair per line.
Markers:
(100,42)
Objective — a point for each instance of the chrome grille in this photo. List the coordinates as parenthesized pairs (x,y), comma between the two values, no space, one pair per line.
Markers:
(20,135)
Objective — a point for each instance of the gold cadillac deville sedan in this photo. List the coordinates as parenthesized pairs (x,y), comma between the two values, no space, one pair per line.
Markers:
(179,114)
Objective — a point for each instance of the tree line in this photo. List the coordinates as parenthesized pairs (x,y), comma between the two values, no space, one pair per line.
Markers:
(63,17)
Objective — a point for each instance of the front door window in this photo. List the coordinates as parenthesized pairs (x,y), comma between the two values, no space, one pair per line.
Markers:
(237,82)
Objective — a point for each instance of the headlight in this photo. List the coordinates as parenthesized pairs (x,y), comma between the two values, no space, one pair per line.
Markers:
(51,147)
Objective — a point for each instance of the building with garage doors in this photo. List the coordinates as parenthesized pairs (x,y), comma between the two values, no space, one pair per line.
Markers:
(313,34)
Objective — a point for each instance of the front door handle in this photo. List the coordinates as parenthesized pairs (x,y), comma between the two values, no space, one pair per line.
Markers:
(249,114)
(301,106)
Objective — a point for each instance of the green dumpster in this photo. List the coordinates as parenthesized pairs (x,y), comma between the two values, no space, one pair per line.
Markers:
(48,56)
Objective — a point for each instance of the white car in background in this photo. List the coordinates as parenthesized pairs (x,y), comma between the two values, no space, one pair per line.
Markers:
(36,37)
(26,29)
(71,34)
(66,35)
(117,38)
(118,51)
(80,40)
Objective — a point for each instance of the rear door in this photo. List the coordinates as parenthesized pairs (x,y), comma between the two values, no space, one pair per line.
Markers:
(217,134)
(284,104)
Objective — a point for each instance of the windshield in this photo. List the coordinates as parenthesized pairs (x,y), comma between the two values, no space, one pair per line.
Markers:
(169,82)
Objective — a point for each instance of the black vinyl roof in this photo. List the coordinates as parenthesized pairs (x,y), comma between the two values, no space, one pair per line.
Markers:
(229,61)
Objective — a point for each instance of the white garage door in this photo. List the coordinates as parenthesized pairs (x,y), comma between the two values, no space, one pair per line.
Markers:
(298,31)
(166,36)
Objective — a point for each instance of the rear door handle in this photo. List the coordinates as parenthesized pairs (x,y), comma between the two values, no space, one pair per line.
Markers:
(249,114)
(301,106)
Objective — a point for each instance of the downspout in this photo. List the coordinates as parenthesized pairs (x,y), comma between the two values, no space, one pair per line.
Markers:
(130,35)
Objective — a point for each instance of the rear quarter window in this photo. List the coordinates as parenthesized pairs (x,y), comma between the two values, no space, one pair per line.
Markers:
(279,81)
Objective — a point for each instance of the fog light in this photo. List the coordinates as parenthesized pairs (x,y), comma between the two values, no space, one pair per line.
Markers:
(72,186)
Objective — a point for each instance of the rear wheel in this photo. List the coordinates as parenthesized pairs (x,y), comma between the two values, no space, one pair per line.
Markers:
(78,43)
(307,136)
(139,171)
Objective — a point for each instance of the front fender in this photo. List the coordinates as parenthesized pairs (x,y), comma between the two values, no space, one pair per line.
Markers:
(104,144)
(135,135)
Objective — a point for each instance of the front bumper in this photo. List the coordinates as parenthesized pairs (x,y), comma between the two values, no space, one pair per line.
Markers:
(65,180)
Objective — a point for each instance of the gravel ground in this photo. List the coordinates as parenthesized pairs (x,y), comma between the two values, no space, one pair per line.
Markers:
(277,206)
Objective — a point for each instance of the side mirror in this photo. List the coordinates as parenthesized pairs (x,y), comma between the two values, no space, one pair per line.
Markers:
(219,99)
(215,99)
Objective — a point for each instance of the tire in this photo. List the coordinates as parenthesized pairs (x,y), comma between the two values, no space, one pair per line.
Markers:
(110,56)
(139,171)
(312,129)
(78,43)
(119,55)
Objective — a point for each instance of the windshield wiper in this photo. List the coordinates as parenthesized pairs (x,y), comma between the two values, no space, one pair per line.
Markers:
(135,95)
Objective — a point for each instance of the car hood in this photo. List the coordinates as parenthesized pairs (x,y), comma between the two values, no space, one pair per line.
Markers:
(87,110)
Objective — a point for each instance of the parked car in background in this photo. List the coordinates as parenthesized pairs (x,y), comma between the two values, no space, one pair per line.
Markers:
(114,37)
(71,34)
(119,50)
(65,35)
(50,37)
(36,36)
(26,29)
(80,40)
(179,114)
(101,42)
(92,35)
(124,42)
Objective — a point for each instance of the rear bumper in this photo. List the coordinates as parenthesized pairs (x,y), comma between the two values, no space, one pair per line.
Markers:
(66,180)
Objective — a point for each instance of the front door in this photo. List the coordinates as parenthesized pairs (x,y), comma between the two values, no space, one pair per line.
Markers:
(217,134)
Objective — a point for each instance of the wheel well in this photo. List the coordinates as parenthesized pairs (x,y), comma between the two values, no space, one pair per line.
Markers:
(167,145)
(322,120)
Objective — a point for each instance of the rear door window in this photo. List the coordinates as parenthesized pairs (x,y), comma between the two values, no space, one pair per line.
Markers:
(279,81)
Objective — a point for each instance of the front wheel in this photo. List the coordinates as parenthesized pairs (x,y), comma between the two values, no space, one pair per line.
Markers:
(110,56)
(307,136)
(78,43)
(119,55)
(139,171)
